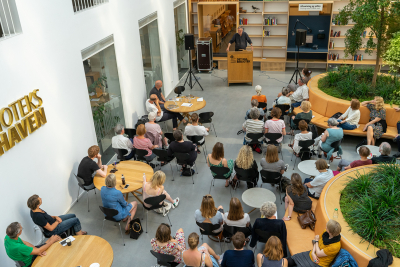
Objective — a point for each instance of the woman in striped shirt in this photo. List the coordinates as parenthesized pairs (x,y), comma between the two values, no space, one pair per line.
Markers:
(141,142)
(253,125)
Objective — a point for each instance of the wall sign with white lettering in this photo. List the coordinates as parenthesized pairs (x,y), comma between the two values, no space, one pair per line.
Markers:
(310,7)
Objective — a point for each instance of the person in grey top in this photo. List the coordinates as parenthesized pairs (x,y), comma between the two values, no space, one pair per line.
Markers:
(240,39)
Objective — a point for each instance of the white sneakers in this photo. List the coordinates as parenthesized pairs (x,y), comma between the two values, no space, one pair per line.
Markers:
(176,202)
(167,207)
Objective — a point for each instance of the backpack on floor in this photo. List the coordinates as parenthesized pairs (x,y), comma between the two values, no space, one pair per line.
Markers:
(187,172)
(313,129)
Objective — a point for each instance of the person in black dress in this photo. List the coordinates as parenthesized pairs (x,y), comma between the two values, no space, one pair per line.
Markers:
(181,146)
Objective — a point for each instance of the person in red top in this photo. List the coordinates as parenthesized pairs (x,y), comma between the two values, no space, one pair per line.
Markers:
(259,97)
(363,152)
(141,142)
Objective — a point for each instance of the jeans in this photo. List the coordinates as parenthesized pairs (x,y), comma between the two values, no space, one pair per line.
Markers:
(35,256)
(343,163)
(346,125)
(307,180)
(151,157)
(68,221)
(296,104)
(131,155)
(171,116)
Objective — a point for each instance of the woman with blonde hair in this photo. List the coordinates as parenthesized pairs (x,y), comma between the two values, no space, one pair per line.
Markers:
(208,213)
(305,115)
(296,197)
(377,126)
(349,120)
(259,97)
(271,162)
(199,256)
(245,161)
(154,188)
(272,255)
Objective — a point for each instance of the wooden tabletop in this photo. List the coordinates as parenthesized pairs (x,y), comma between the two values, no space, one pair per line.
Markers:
(85,250)
(196,105)
(133,173)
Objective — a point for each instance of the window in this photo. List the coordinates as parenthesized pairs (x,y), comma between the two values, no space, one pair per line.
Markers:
(180,30)
(80,5)
(9,19)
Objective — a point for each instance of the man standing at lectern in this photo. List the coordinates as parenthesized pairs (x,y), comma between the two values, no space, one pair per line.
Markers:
(240,39)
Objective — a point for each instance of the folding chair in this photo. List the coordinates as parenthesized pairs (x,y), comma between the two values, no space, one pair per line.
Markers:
(272,178)
(219,175)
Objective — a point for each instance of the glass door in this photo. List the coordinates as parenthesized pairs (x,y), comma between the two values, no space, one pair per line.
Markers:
(180,30)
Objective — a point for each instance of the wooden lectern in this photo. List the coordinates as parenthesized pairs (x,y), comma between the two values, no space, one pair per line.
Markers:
(240,67)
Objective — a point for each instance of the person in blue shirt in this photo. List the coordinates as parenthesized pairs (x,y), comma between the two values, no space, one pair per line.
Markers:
(238,257)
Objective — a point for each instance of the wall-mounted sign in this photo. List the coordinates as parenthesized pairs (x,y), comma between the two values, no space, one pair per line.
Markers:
(20,118)
(310,7)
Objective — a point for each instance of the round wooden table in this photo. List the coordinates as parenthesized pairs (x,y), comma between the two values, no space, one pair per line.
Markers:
(184,110)
(133,173)
(85,250)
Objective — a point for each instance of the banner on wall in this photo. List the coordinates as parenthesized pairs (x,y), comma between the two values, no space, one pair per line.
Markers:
(310,7)
(19,119)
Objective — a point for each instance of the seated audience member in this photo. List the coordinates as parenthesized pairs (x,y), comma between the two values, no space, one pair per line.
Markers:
(259,97)
(275,125)
(216,159)
(302,136)
(143,143)
(349,120)
(87,169)
(121,142)
(254,104)
(271,162)
(296,197)
(305,115)
(331,135)
(113,199)
(164,243)
(364,153)
(152,105)
(236,216)
(208,213)
(377,125)
(283,98)
(52,225)
(181,146)
(299,95)
(196,129)
(385,157)
(269,223)
(20,250)
(155,188)
(155,129)
(253,125)
(203,256)
(325,249)
(304,80)
(316,185)
(272,255)
(238,257)
(156,90)
(245,161)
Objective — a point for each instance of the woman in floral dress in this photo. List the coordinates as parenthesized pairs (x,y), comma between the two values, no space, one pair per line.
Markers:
(164,243)
(376,127)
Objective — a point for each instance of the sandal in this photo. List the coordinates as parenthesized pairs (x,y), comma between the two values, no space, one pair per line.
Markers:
(227,183)
(290,145)
(127,232)
(84,233)
(214,238)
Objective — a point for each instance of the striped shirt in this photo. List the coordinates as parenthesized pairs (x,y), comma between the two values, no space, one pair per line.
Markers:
(275,126)
(144,144)
(253,126)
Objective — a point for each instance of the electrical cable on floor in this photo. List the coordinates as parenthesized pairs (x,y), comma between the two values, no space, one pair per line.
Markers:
(264,73)
(213,73)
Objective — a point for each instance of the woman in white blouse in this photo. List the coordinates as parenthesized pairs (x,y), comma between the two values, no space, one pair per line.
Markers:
(302,136)
(237,217)
(353,116)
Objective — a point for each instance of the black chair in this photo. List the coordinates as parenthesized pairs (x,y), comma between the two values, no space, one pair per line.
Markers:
(335,146)
(196,140)
(230,231)
(220,174)
(262,105)
(162,156)
(272,137)
(183,159)
(284,109)
(206,117)
(246,176)
(154,202)
(19,264)
(130,132)
(263,237)
(304,148)
(170,137)
(62,235)
(254,138)
(141,153)
(296,122)
(261,118)
(272,178)
(86,188)
(110,213)
(164,259)
(207,229)
(121,153)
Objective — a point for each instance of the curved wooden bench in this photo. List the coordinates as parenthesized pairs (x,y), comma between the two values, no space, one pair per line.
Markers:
(324,106)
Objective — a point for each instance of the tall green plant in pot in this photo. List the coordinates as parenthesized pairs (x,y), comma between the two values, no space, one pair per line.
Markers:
(369,14)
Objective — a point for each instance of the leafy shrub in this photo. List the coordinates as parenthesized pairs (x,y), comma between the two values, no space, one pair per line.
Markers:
(348,83)
(370,204)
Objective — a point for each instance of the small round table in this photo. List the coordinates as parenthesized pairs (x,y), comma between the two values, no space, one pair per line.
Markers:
(85,250)
(308,167)
(255,197)
(373,149)
(185,110)
(133,173)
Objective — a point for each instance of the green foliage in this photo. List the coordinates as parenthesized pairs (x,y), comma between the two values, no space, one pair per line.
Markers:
(392,55)
(98,83)
(370,204)
(180,40)
(348,83)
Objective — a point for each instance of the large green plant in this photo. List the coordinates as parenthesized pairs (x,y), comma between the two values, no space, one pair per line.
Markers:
(392,55)
(368,14)
(100,82)
(370,203)
(180,40)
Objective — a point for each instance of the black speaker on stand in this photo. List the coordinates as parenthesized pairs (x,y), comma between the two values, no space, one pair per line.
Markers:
(300,41)
(189,45)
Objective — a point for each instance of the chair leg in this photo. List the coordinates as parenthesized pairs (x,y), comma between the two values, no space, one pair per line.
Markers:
(123,240)
(77,198)
(172,171)
(230,190)
(295,160)
(220,245)
(147,213)
(191,174)
(211,186)
(169,220)
(102,228)
(87,193)
(214,129)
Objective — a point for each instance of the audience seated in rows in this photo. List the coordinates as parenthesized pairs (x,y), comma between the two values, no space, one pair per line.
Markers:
(152,105)
(253,125)
(52,225)
(152,127)
(302,136)
(236,216)
(216,159)
(301,94)
(303,80)
(349,120)
(181,146)
(271,162)
(258,96)
(155,188)
(203,256)
(377,126)
(275,125)
(331,135)
(20,250)
(296,198)
(245,161)
(269,223)
(316,185)
(121,142)
(385,157)
(325,249)
(87,168)
(143,143)
(208,213)
(238,257)
(364,153)
(113,198)
(164,243)
(254,104)
(195,129)
(272,255)
(305,115)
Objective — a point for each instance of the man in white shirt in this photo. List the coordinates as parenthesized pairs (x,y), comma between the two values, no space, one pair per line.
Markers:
(316,185)
(196,129)
(153,105)
(121,142)
(299,95)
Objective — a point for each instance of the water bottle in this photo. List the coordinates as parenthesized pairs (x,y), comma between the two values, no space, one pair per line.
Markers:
(335,214)
(123,179)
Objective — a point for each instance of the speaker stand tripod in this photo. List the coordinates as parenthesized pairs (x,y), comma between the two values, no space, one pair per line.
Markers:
(296,71)
(189,76)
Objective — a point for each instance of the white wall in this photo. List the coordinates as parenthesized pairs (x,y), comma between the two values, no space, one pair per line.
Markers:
(47,55)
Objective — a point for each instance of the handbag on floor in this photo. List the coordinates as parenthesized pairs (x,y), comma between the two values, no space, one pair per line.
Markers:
(307,219)
(135,228)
